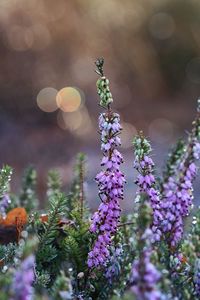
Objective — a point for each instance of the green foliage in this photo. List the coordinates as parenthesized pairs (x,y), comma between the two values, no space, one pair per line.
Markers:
(28,198)
(42,280)
(141,146)
(77,241)
(195,236)
(7,254)
(62,288)
(76,206)
(103,89)
(5,177)
(104,92)
(65,236)
(174,158)
(49,255)
(5,282)
(53,184)
(126,296)
(57,206)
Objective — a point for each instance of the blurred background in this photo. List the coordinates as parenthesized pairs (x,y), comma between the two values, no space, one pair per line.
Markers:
(48,101)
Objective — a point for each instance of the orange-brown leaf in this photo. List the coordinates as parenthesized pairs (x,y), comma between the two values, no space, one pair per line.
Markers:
(16,216)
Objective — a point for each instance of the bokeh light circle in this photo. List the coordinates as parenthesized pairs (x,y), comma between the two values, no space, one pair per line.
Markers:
(71,121)
(78,122)
(46,99)
(68,99)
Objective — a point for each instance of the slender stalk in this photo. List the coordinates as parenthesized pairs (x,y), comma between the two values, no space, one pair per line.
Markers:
(126,224)
(81,188)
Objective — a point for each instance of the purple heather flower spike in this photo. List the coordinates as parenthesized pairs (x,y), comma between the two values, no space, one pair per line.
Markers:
(110,182)
(113,269)
(178,191)
(197,277)
(23,279)
(146,181)
(144,275)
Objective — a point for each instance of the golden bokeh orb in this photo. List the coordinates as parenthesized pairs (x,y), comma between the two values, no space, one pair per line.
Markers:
(68,99)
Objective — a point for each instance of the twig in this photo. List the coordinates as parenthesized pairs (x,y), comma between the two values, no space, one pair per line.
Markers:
(81,188)
(125,224)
